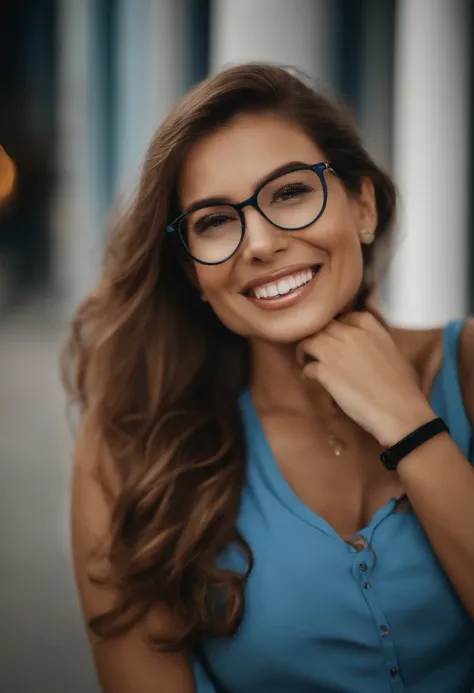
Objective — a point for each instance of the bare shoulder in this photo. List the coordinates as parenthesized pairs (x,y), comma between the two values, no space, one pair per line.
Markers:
(423,349)
(125,664)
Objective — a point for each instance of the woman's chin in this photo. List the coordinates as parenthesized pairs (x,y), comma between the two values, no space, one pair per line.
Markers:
(294,333)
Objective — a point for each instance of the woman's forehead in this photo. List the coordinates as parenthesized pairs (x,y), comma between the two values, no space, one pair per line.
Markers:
(230,161)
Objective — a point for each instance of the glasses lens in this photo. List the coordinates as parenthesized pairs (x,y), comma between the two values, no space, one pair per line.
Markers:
(212,234)
(293,200)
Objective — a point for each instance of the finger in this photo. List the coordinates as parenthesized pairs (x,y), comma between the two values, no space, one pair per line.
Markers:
(303,355)
(314,348)
(337,330)
(315,370)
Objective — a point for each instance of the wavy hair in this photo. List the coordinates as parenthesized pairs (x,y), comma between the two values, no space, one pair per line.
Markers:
(159,376)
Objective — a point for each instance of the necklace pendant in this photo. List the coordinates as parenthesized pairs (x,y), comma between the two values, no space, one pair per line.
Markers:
(338,447)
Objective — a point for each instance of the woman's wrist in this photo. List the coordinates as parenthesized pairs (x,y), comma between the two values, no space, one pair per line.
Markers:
(405,424)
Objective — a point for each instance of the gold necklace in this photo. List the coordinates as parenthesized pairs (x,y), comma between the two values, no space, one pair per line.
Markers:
(337,445)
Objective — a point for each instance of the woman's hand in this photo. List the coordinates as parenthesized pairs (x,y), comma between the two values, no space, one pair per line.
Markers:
(355,359)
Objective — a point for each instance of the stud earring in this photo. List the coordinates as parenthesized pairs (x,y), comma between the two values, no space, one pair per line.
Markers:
(368,236)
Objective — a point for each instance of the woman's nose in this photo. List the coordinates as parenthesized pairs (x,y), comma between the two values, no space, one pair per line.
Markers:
(262,240)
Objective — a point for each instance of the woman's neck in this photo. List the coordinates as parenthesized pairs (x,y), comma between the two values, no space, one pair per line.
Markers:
(276,381)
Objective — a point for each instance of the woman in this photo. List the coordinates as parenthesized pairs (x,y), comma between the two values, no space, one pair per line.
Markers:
(237,395)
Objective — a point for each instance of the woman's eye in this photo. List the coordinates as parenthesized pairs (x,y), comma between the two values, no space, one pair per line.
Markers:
(207,223)
(289,192)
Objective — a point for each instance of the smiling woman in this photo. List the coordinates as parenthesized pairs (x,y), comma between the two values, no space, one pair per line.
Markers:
(232,498)
(297,213)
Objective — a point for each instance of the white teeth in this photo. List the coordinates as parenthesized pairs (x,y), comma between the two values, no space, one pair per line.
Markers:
(284,286)
(272,290)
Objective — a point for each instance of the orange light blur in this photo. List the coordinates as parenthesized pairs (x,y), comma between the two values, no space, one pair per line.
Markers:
(7,174)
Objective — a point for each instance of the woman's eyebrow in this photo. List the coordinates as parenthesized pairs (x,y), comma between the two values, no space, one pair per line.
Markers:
(224,199)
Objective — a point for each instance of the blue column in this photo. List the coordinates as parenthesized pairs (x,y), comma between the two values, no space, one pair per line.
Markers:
(132,68)
(84,195)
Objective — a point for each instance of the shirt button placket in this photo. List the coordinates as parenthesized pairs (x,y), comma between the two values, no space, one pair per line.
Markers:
(362,571)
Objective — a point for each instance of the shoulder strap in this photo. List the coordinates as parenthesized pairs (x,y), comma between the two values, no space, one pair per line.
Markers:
(454,411)
(202,679)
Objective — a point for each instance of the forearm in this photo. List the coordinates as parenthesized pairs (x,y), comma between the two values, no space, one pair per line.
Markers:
(439,481)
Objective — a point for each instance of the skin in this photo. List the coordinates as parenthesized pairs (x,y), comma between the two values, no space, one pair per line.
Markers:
(229,163)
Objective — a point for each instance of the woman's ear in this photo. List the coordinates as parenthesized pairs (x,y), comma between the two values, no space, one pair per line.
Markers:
(366,209)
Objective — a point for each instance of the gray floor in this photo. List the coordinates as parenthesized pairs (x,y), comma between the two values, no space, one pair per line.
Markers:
(42,645)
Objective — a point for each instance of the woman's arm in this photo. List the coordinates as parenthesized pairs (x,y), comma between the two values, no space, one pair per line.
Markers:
(357,362)
(125,664)
(439,481)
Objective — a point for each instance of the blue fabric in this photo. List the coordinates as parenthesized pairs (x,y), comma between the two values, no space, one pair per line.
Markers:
(322,617)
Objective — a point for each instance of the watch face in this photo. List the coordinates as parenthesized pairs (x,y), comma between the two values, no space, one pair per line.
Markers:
(388,460)
(392,457)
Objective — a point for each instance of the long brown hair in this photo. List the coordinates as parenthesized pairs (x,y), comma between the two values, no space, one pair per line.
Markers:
(159,376)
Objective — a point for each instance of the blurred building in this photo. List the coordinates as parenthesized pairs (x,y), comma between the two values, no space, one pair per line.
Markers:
(116,67)
(28,133)
(406,67)
(83,86)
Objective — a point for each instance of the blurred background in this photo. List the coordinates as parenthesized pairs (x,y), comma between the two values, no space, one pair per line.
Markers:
(83,85)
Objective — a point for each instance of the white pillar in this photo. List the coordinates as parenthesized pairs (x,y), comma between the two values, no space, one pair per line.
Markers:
(428,282)
(290,32)
(150,76)
(77,243)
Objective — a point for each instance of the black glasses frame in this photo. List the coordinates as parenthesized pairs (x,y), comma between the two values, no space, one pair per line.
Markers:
(252,201)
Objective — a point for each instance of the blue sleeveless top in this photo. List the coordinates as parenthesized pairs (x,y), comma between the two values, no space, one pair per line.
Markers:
(323,616)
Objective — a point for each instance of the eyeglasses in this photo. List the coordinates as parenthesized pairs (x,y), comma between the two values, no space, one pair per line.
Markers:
(292,201)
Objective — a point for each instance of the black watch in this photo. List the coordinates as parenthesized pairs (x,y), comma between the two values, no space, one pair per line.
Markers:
(392,456)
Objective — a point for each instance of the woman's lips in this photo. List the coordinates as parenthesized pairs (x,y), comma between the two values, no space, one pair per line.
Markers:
(287,300)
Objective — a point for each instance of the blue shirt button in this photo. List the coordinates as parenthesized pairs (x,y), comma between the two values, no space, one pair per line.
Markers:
(367,585)
(393,672)
(363,567)
(384,630)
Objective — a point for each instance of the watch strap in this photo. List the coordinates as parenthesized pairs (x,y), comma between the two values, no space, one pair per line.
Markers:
(392,456)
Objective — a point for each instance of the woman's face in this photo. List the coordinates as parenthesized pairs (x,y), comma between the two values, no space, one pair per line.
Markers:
(325,258)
